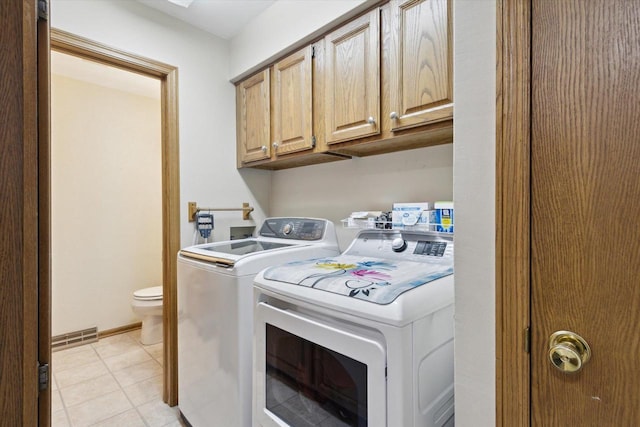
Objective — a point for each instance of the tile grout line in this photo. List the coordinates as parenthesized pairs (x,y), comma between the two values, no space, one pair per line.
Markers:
(64,406)
(95,349)
(135,408)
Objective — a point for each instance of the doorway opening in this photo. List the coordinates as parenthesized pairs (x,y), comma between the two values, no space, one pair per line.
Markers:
(69,44)
(106,197)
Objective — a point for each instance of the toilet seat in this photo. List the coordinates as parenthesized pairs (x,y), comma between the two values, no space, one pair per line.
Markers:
(148,294)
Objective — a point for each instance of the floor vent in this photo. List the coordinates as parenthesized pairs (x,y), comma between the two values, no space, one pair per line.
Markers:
(73,339)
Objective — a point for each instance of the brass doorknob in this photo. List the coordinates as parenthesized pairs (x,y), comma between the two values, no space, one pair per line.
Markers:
(568,351)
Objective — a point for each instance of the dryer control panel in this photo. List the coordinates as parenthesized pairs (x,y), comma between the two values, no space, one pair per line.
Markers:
(403,245)
(294,228)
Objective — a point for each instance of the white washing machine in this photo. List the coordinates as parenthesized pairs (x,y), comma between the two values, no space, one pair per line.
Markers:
(360,339)
(215,314)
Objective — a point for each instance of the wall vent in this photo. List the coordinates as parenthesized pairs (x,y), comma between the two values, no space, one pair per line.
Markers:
(73,339)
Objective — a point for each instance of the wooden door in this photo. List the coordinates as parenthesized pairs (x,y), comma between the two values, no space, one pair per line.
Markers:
(585,259)
(352,79)
(292,106)
(421,55)
(44,211)
(23,37)
(254,115)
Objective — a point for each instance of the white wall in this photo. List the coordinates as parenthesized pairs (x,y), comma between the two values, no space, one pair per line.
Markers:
(208,174)
(334,190)
(106,203)
(474,197)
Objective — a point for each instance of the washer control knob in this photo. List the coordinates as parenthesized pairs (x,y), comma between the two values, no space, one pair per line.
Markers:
(398,244)
(287,229)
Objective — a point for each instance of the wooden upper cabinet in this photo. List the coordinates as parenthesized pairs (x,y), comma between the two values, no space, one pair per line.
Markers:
(254,118)
(352,79)
(380,83)
(275,114)
(421,87)
(292,103)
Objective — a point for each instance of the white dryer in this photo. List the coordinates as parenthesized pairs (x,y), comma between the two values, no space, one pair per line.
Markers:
(215,314)
(360,339)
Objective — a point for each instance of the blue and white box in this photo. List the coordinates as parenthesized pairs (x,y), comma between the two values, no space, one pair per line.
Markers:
(406,215)
(441,217)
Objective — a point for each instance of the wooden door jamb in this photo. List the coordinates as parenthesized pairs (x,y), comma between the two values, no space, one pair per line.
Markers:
(513,212)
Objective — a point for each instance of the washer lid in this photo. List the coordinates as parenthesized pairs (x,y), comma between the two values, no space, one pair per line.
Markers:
(370,279)
(228,253)
(152,293)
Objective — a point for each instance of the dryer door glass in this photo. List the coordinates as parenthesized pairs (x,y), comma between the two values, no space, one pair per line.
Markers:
(307,383)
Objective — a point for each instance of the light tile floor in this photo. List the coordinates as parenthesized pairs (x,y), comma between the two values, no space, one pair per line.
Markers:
(114,382)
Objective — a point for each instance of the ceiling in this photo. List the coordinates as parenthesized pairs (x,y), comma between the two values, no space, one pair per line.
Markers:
(223,18)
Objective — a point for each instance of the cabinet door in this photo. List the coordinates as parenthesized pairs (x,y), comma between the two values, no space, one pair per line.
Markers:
(254,115)
(421,89)
(292,122)
(352,85)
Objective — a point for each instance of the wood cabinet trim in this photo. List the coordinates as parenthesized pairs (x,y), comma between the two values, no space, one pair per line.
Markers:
(259,148)
(353,125)
(357,138)
(299,100)
(428,59)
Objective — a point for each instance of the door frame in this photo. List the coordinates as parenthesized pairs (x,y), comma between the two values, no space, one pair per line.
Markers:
(513,212)
(68,43)
(44,210)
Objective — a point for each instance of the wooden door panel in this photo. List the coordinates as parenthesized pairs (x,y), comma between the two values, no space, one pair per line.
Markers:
(19,244)
(44,212)
(254,116)
(421,62)
(292,124)
(585,208)
(352,86)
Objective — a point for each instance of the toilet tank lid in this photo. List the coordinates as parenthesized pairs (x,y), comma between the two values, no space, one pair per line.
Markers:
(146,293)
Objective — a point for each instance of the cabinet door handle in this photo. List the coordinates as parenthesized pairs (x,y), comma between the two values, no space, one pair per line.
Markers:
(393,115)
(275,145)
(371,120)
(264,148)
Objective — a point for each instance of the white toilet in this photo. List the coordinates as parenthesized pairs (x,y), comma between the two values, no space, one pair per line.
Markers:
(147,303)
